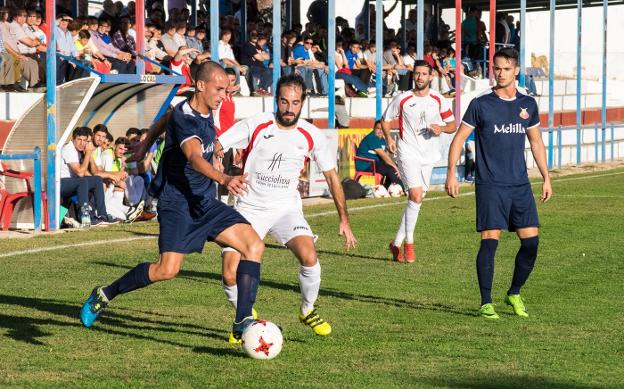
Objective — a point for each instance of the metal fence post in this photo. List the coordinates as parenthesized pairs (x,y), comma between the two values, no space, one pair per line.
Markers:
(37,195)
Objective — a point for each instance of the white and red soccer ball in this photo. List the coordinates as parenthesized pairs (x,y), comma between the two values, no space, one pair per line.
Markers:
(262,340)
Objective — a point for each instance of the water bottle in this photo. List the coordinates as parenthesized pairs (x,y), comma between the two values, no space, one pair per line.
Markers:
(85,215)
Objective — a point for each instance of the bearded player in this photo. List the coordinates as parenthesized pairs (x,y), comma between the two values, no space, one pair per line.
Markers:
(276,147)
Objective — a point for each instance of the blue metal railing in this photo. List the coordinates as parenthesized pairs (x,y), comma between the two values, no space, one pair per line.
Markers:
(36,157)
(599,143)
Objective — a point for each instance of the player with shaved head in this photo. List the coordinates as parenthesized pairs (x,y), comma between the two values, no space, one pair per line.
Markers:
(188,212)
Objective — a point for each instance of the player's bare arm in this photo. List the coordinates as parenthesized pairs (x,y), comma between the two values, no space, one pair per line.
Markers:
(157,129)
(335,188)
(390,143)
(448,128)
(539,154)
(452,186)
(193,152)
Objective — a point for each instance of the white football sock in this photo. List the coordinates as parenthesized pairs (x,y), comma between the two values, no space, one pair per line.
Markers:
(400,235)
(310,284)
(231,292)
(411,216)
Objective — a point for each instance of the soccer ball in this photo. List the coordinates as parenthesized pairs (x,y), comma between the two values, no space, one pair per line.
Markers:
(395,190)
(380,191)
(262,340)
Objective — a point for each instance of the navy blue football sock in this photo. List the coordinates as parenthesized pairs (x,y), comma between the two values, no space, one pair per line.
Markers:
(485,268)
(134,279)
(525,260)
(247,281)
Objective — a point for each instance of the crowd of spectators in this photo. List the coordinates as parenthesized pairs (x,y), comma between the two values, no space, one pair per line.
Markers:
(106,42)
(98,185)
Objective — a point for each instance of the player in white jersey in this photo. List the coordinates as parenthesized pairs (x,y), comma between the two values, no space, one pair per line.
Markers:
(275,149)
(423,115)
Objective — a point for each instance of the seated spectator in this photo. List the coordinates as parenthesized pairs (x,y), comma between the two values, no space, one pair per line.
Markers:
(181,63)
(373,146)
(409,58)
(226,55)
(135,184)
(122,39)
(309,67)
(344,73)
(88,53)
(356,63)
(252,57)
(287,61)
(155,49)
(396,68)
(192,42)
(75,178)
(115,192)
(28,42)
(7,70)
(26,71)
(65,69)
(169,40)
(121,62)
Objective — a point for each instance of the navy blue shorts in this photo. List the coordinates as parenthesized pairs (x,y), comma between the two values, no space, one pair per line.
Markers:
(182,233)
(505,207)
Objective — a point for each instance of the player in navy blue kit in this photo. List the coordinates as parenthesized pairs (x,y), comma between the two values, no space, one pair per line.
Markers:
(502,119)
(188,212)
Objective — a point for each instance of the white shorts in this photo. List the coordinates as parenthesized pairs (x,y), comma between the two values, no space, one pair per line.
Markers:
(283,224)
(414,174)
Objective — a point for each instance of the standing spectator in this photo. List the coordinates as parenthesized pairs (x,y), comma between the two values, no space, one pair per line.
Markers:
(121,61)
(226,55)
(502,29)
(317,13)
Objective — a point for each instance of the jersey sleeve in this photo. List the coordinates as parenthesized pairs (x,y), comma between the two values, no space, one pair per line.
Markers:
(392,110)
(184,127)
(321,153)
(238,135)
(534,119)
(446,113)
(471,117)
(70,155)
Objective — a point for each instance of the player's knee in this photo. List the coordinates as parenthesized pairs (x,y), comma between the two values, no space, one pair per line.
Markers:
(417,198)
(254,250)
(229,278)
(530,244)
(164,273)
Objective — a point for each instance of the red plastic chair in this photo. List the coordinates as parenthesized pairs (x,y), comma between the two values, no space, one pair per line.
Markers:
(9,200)
(360,173)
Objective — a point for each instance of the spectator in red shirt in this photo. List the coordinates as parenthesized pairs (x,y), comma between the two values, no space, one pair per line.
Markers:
(224,117)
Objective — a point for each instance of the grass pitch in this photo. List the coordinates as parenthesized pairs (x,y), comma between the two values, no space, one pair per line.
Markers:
(395,325)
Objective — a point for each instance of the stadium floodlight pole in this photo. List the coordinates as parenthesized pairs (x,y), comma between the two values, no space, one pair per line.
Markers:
(51,186)
(277,32)
(420,22)
(139,17)
(579,119)
(521,80)
(378,58)
(458,57)
(603,115)
(214,30)
(551,85)
(331,62)
(492,41)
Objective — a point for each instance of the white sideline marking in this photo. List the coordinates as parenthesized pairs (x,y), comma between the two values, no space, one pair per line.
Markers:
(333,212)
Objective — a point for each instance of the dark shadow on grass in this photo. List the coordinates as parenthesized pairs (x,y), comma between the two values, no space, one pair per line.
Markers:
(230,352)
(399,303)
(494,381)
(25,328)
(336,253)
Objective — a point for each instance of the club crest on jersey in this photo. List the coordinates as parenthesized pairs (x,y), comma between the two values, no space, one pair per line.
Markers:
(524,114)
